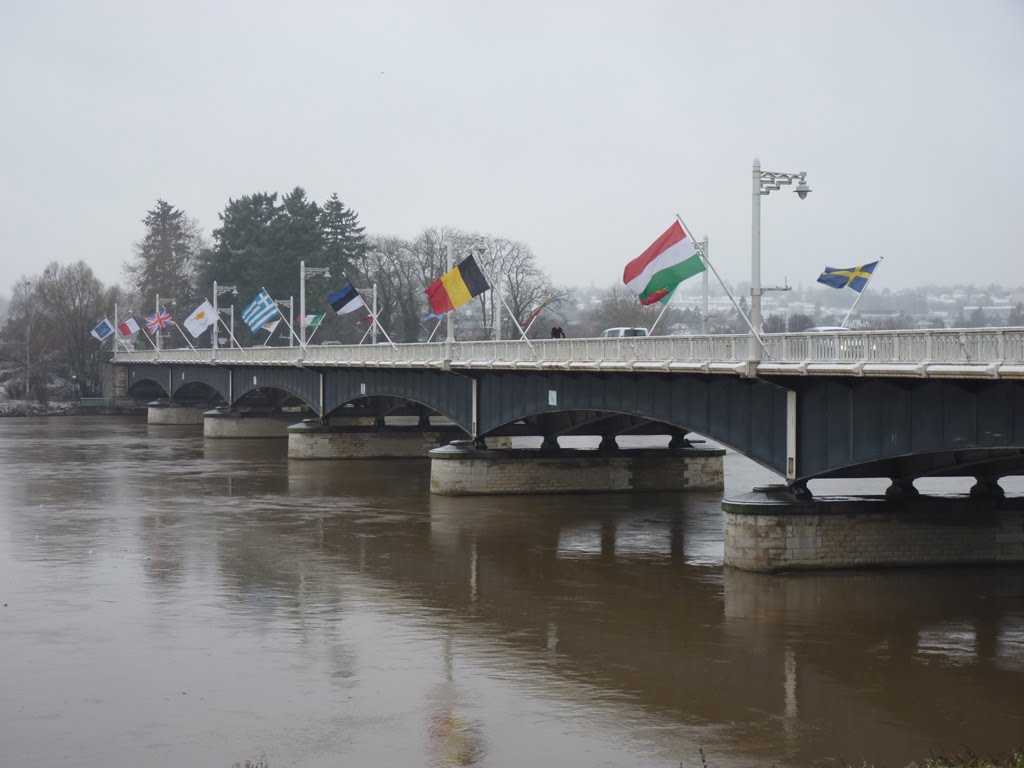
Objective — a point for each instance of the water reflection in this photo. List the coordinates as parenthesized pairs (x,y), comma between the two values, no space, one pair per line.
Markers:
(403,628)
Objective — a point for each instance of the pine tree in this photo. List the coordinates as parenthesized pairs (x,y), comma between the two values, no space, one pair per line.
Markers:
(166,259)
(296,238)
(244,248)
(344,243)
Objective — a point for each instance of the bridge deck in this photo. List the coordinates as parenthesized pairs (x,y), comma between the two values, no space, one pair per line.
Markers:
(973,353)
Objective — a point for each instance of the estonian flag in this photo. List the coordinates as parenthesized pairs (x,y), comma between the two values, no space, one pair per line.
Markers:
(346,300)
(457,287)
(854,277)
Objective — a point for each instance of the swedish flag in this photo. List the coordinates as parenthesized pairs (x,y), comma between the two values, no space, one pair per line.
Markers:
(853,277)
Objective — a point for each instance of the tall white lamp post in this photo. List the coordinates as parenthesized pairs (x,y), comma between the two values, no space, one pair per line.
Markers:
(217,291)
(303,271)
(764,182)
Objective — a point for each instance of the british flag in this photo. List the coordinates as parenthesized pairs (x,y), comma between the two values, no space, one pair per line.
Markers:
(159,320)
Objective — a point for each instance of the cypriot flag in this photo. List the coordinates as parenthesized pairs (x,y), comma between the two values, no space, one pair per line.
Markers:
(669,260)
(201,319)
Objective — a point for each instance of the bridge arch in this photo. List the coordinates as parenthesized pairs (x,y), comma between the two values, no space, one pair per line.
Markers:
(142,377)
(301,383)
(446,393)
(748,415)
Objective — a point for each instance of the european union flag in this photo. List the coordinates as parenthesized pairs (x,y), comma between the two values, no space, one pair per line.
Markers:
(853,277)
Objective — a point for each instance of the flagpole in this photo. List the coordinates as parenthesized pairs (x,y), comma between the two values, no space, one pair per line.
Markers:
(308,340)
(663,310)
(375,324)
(439,321)
(707,261)
(861,293)
(507,309)
(232,335)
(184,337)
(148,337)
(285,318)
(534,319)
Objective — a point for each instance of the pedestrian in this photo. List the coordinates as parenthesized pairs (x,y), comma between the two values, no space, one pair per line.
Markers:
(557,332)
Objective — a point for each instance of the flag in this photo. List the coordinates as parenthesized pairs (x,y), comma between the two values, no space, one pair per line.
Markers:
(346,300)
(201,318)
(310,321)
(102,330)
(454,289)
(367,320)
(535,312)
(669,260)
(159,320)
(260,311)
(271,326)
(854,277)
(129,326)
(431,316)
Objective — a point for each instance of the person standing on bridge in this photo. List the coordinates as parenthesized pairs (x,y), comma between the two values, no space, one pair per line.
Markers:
(557,332)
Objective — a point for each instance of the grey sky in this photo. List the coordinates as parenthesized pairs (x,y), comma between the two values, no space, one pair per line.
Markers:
(580,128)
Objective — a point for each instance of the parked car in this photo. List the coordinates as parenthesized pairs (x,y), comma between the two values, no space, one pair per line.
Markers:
(618,333)
(827,329)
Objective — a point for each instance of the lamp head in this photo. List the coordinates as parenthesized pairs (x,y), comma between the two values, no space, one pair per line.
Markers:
(327,274)
(234,291)
(802,190)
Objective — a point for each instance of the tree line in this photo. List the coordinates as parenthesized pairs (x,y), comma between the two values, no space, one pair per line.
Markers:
(261,240)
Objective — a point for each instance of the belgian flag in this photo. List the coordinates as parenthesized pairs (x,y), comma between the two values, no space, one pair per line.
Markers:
(457,287)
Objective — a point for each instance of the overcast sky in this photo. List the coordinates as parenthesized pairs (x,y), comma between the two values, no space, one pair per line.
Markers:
(580,128)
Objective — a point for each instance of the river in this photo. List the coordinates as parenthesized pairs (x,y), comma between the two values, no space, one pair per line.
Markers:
(170,601)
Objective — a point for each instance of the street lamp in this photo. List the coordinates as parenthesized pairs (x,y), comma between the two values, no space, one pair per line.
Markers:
(764,182)
(303,271)
(217,291)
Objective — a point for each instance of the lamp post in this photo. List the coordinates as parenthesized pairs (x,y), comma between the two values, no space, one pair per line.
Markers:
(303,271)
(217,291)
(764,182)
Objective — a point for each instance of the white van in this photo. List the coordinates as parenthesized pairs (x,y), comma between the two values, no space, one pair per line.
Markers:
(619,333)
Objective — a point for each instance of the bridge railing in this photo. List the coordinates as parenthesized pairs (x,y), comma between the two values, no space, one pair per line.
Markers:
(970,347)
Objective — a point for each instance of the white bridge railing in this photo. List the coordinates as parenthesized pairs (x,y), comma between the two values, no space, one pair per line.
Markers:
(986,352)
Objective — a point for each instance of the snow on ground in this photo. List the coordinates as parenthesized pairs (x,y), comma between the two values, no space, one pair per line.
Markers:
(33,408)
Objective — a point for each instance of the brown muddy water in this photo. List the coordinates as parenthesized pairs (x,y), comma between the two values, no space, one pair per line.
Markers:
(166,601)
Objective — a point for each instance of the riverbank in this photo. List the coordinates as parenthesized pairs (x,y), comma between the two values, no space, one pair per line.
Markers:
(35,408)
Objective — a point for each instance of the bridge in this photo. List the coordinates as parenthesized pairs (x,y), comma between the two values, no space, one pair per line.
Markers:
(900,405)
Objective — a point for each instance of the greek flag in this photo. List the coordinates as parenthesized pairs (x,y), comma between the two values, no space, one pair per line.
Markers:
(260,311)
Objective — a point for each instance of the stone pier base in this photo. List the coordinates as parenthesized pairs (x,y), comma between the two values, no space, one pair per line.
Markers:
(173,413)
(315,441)
(241,424)
(460,470)
(767,531)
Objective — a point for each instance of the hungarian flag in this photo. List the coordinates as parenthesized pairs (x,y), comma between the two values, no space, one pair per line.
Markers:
(457,287)
(669,260)
(129,326)
(309,321)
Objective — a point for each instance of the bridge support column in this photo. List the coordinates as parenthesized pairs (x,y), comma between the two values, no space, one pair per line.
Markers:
(460,469)
(177,414)
(311,440)
(770,531)
(232,424)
